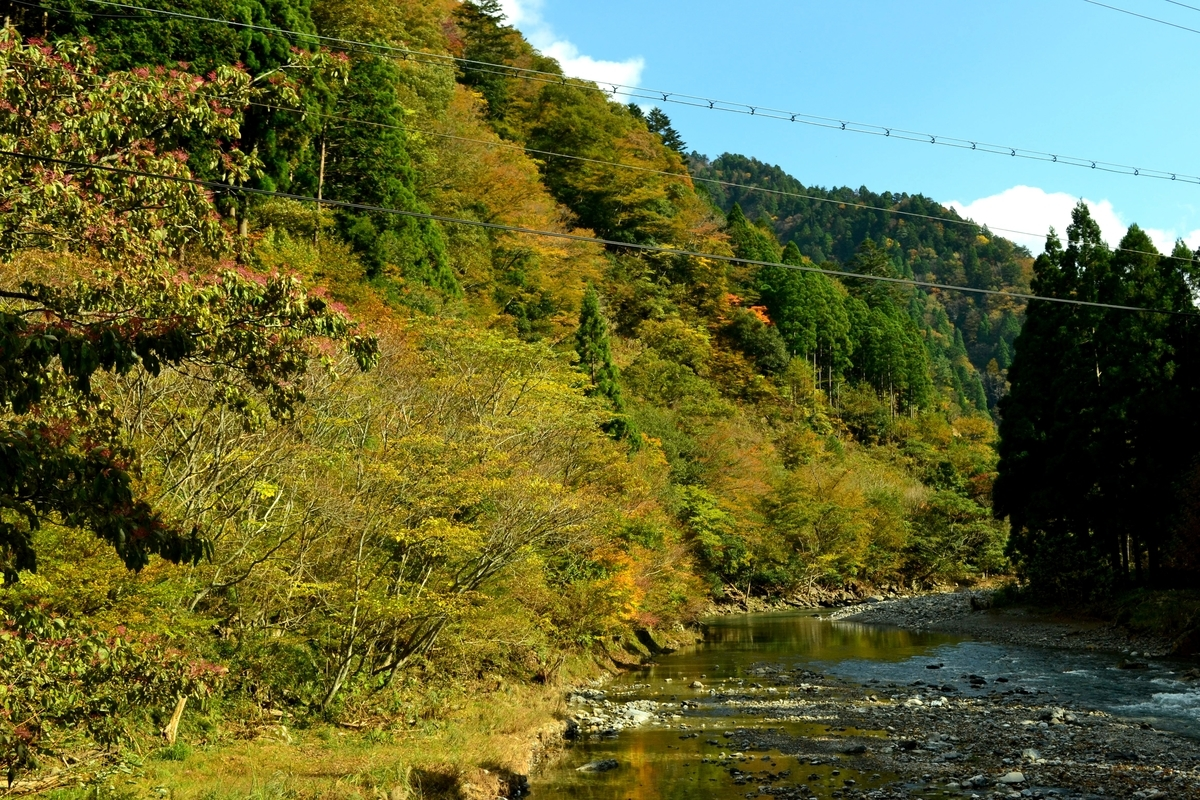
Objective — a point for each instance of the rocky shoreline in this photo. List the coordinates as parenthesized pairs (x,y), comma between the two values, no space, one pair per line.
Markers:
(971,613)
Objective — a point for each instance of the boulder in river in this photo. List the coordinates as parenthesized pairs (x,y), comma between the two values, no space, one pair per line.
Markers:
(697,685)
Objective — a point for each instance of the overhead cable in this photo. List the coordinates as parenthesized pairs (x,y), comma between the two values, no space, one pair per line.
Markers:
(575,237)
(1135,14)
(665,173)
(1183,5)
(677,98)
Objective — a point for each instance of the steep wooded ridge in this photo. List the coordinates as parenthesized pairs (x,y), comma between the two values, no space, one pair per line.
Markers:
(334,463)
(924,240)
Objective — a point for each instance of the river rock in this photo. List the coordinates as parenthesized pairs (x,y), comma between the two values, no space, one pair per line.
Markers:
(604,765)
(637,716)
(1012,777)
(697,685)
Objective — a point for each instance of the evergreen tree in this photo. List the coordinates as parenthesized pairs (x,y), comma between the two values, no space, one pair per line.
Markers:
(1097,432)
(888,349)
(487,40)
(750,241)
(810,311)
(281,139)
(595,359)
(1003,356)
(660,123)
(369,163)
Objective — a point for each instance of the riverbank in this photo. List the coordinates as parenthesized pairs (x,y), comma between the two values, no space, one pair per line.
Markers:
(972,613)
(481,749)
(484,746)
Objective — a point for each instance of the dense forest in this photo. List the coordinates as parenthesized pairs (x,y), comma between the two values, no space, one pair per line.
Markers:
(351,461)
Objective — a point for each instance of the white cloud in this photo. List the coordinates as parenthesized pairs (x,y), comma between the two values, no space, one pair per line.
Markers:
(1034,211)
(527,16)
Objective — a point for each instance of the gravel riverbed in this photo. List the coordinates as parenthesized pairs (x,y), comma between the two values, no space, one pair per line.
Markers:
(803,734)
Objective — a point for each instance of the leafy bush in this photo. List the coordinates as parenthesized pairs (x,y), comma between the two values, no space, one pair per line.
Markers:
(65,683)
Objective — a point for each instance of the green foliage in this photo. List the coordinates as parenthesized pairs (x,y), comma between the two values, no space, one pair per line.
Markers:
(758,340)
(619,204)
(955,534)
(828,227)
(1096,439)
(129,41)
(660,123)
(723,553)
(487,41)
(60,443)
(369,164)
(595,358)
(64,684)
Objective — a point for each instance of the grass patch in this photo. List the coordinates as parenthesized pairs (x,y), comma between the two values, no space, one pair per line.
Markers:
(425,761)
(175,752)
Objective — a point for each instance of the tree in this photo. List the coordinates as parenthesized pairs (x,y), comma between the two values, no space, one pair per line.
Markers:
(660,123)
(489,41)
(595,358)
(281,139)
(1097,434)
(369,163)
(810,311)
(111,293)
(889,352)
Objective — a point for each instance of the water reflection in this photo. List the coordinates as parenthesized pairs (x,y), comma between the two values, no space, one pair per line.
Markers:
(733,644)
(657,764)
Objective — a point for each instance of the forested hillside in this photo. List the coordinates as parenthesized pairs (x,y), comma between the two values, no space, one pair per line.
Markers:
(301,421)
(924,241)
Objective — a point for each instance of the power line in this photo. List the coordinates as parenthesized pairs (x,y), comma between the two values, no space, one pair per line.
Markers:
(1123,11)
(666,173)
(652,171)
(679,98)
(1183,5)
(633,167)
(224,187)
(714,181)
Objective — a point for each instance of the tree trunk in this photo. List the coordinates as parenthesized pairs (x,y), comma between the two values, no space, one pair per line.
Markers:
(172,730)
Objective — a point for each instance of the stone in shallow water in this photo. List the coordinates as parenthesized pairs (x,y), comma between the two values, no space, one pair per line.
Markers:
(599,766)
(1013,777)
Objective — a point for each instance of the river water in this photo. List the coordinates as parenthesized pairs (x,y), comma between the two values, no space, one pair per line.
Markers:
(667,763)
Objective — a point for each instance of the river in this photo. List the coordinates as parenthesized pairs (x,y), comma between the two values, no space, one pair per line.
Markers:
(686,754)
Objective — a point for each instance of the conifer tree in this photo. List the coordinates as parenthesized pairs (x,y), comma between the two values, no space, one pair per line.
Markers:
(487,40)
(369,163)
(595,359)
(660,123)
(1097,431)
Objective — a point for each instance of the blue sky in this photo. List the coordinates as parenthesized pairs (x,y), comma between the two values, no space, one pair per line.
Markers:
(1061,76)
